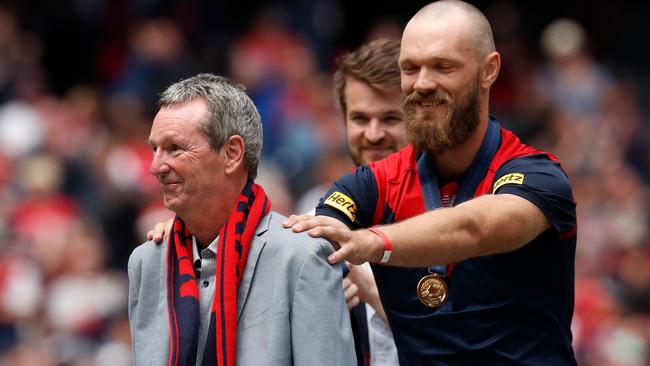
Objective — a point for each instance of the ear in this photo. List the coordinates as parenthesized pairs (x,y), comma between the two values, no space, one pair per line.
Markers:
(234,153)
(491,67)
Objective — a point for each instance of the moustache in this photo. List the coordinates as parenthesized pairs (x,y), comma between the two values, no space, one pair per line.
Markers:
(437,96)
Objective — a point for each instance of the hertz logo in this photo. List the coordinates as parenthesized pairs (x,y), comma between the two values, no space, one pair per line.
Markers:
(342,203)
(512,178)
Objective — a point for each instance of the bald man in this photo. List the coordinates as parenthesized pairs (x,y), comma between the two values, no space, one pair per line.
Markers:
(471,233)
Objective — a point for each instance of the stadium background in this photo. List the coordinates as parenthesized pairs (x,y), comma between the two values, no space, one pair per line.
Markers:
(78,84)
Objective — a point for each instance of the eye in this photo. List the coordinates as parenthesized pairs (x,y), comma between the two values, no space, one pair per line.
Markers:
(445,67)
(410,70)
(393,120)
(359,119)
(176,147)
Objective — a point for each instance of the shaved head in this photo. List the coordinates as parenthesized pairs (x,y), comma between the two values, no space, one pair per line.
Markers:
(476,25)
(448,64)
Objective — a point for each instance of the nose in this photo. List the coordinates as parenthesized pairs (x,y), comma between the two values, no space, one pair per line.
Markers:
(375,132)
(159,163)
(425,82)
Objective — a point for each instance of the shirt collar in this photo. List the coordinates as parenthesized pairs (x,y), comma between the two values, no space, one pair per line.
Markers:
(196,254)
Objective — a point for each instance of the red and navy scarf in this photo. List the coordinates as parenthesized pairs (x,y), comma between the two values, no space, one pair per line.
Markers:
(183,293)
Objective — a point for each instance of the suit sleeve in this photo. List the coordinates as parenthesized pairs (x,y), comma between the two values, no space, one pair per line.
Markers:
(542,182)
(135,276)
(320,323)
(148,320)
(352,199)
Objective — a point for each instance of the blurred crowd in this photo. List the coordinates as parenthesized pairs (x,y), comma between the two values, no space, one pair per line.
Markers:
(76,195)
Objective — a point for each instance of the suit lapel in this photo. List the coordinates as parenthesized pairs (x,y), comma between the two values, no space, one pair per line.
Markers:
(253,254)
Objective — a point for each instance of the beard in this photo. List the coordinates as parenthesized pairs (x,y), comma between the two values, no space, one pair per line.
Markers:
(438,133)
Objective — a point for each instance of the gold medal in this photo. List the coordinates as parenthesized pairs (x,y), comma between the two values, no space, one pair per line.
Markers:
(432,290)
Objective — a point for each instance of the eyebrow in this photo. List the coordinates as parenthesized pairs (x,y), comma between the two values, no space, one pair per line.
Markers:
(430,60)
(355,112)
(405,62)
(393,111)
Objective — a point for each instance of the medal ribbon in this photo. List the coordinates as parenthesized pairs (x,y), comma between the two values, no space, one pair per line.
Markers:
(468,183)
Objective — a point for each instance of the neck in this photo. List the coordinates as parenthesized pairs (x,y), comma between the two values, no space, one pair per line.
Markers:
(205,235)
(205,222)
(451,164)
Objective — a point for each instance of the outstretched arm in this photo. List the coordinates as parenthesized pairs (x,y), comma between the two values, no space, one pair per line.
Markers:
(485,225)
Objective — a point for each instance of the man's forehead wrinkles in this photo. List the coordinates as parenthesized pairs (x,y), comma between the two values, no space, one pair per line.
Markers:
(167,135)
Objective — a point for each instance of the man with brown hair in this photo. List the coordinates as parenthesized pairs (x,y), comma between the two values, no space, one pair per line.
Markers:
(367,88)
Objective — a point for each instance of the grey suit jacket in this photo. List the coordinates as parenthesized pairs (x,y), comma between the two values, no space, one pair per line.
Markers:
(290,305)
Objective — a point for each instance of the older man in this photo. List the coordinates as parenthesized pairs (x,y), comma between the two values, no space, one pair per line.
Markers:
(229,284)
(478,231)
(367,89)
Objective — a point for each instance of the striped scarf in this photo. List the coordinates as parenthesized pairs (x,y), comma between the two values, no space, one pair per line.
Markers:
(183,293)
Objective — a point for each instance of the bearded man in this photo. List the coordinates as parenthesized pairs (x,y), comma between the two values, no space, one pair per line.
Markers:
(471,232)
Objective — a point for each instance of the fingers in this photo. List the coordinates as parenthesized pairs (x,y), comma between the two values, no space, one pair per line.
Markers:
(326,227)
(300,223)
(339,237)
(357,275)
(294,219)
(310,223)
(344,253)
(350,293)
(367,288)
(168,226)
(352,302)
(157,233)
(354,277)
(331,233)
(159,230)
(330,221)
(361,276)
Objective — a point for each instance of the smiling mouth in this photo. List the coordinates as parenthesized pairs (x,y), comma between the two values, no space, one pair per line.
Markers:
(377,148)
(378,151)
(430,103)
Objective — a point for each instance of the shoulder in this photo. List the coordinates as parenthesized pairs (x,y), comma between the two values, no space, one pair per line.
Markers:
(291,243)
(540,168)
(541,181)
(147,255)
(536,172)
(511,147)
(149,249)
(540,161)
(515,161)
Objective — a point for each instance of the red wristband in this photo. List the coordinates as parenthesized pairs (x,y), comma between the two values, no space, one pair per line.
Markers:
(388,248)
